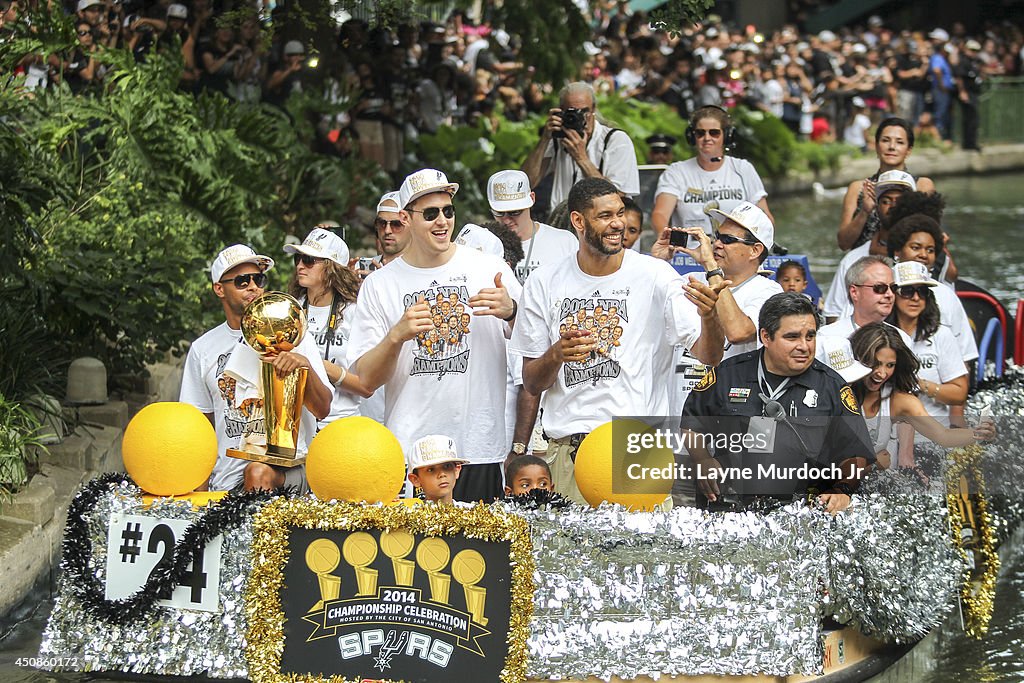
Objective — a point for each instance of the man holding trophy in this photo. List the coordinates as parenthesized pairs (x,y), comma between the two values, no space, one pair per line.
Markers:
(232,397)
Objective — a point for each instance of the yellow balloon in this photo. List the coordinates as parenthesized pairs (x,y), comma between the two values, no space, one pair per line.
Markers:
(602,477)
(355,459)
(169,448)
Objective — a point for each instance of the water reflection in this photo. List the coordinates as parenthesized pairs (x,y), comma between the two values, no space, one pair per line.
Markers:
(984,218)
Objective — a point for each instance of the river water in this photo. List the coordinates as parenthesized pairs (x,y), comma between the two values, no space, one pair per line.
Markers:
(985,220)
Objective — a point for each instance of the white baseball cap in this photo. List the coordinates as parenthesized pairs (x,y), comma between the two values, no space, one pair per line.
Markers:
(294,47)
(389,203)
(894,180)
(838,355)
(509,191)
(321,243)
(480,238)
(424,181)
(177,11)
(912,273)
(86,4)
(939,34)
(434,450)
(750,217)
(237,254)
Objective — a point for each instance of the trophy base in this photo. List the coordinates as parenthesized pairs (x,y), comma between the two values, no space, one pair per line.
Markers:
(268,458)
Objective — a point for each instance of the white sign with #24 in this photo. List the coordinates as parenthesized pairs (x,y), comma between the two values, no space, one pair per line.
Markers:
(136,544)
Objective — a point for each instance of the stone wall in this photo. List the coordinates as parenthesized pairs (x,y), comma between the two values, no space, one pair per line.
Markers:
(32,523)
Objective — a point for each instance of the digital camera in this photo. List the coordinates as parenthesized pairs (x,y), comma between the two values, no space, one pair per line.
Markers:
(572,119)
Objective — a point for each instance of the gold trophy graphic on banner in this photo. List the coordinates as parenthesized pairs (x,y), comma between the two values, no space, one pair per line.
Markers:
(468,568)
(360,550)
(272,323)
(397,545)
(432,556)
(322,558)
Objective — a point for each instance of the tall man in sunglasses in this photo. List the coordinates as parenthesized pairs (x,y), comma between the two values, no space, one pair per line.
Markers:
(239,275)
(575,145)
(430,328)
(871,288)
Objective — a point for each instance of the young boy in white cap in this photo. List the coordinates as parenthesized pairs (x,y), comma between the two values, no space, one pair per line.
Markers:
(434,467)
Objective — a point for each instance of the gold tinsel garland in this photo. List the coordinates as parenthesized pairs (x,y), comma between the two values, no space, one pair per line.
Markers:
(265,635)
(977,603)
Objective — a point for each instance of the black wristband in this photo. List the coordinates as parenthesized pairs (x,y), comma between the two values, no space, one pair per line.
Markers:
(515,309)
(714,271)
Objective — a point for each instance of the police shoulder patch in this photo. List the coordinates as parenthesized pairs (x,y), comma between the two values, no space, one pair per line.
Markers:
(707,381)
(849,400)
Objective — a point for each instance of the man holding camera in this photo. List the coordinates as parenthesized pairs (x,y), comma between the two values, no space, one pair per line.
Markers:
(574,145)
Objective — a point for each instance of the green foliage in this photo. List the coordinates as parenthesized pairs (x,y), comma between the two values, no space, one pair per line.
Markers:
(471,154)
(764,141)
(551,32)
(111,208)
(642,119)
(675,15)
(820,158)
(19,437)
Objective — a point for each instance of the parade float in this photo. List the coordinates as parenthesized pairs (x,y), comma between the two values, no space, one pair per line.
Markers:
(348,584)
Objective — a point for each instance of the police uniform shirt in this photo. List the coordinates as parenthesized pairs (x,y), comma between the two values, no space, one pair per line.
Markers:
(818,404)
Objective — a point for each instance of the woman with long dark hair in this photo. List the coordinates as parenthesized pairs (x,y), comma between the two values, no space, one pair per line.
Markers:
(888,394)
(327,289)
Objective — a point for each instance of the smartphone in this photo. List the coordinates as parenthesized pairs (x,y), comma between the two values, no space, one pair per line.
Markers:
(678,238)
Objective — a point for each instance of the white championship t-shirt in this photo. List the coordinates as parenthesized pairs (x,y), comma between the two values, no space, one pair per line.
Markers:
(547,245)
(343,403)
(736,181)
(637,314)
(450,380)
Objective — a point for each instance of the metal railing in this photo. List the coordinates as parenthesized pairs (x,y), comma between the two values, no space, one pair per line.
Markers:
(1001,111)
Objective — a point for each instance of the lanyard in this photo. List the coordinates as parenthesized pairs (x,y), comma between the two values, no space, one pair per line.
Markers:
(770,394)
(332,322)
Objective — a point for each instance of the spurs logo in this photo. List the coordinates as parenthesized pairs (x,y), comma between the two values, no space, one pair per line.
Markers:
(391,647)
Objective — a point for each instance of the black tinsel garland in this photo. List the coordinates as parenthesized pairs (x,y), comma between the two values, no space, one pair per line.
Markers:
(216,518)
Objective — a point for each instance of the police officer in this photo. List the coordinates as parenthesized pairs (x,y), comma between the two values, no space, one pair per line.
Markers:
(775,422)
(968,82)
(659,148)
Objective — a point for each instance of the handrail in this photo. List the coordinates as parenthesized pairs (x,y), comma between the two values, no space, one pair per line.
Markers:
(1018,334)
(991,330)
(991,301)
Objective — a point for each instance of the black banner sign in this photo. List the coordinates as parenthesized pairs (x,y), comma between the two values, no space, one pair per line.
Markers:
(395,605)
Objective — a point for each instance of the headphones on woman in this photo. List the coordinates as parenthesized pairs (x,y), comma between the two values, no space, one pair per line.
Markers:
(728,131)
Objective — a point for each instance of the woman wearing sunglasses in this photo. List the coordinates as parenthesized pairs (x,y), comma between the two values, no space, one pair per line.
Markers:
(942,376)
(327,289)
(888,395)
(894,141)
(686,188)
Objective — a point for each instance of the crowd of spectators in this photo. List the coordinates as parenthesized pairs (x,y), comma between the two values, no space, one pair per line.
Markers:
(418,77)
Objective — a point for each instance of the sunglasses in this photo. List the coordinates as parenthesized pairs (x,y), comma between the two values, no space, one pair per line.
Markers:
(242,281)
(84,32)
(880,288)
(908,291)
(510,214)
(732,239)
(380,224)
(307,260)
(431,213)
(713,132)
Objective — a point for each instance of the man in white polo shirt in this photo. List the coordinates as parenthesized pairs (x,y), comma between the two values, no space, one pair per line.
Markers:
(510,198)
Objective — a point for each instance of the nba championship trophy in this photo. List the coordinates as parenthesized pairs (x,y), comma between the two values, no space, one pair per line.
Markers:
(273,323)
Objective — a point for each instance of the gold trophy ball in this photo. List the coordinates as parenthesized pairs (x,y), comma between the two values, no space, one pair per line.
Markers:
(397,544)
(432,554)
(273,321)
(359,549)
(322,556)
(468,567)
